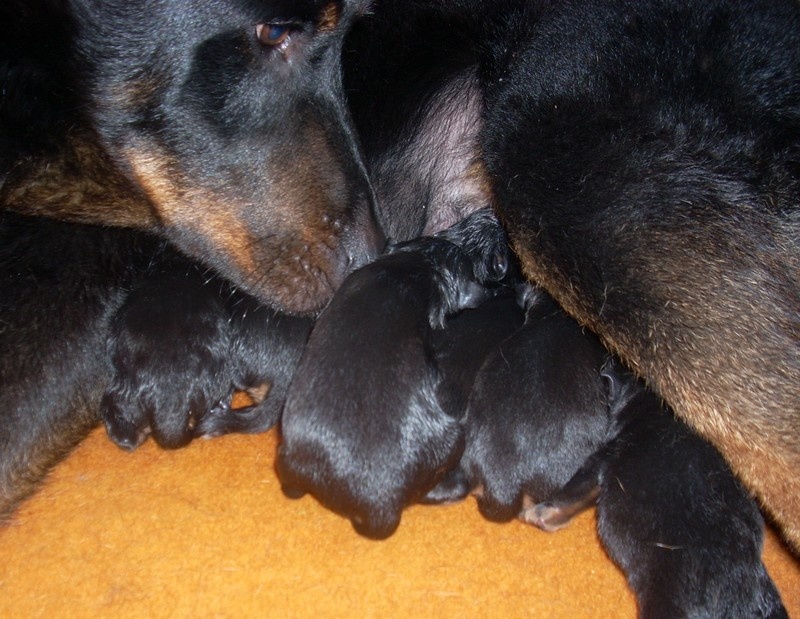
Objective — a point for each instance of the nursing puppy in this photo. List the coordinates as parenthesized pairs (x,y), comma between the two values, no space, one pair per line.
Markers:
(536,412)
(467,338)
(670,513)
(180,345)
(362,429)
(576,426)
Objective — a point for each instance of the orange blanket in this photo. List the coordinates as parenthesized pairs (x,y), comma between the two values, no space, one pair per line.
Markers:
(206,532)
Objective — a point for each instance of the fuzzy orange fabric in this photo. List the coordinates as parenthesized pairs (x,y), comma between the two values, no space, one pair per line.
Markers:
(206,532)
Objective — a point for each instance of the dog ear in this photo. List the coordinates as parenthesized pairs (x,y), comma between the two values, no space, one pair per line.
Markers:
(471,295)
(621,385)
(498,265)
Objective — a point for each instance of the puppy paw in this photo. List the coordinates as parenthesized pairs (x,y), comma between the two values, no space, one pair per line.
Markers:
(546,516)
(455,486)
(224,419)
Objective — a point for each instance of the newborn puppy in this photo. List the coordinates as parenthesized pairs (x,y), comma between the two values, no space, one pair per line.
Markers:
(465,342)
(362,428)
(536,412)
(179,346)
(468,337)
(265,350)
(671,513)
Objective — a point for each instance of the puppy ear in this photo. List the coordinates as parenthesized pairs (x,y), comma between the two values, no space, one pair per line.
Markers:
(621,385)
(471,295)
(498,265)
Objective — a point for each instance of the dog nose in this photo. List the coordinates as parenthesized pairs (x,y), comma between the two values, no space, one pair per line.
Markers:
(365,241)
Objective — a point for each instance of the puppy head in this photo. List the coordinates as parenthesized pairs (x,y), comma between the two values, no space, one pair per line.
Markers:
(230,116)
(452,271)
(482,237)
(373,516)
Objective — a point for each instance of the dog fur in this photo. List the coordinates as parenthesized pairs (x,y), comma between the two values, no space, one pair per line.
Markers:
(536,410)
(656,198)
(55,311)
(644,160)
(670,513)
(362,429)
(221,125)
(180,345)
(579,429)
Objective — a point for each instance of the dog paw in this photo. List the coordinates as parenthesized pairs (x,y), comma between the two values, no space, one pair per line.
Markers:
(545,516)
(224,419)
(169,349)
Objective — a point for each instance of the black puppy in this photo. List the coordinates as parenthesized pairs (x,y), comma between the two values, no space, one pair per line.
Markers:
(181,344)
(536,412)
(670,513)
(576,426)
(467,339)
(362,428)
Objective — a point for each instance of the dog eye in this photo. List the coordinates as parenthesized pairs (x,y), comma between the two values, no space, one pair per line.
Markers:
(273,35)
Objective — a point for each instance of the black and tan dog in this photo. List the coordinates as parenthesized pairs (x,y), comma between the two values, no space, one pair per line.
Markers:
(221,126)
(422,167)
(644,160)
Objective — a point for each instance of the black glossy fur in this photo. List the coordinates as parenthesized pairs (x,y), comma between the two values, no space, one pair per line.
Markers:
(575,427)
(181,344)
(536,411)
(466,340)
(670,513)
(362,429)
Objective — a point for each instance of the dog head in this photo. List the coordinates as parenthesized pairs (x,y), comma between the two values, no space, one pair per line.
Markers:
(230,117)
